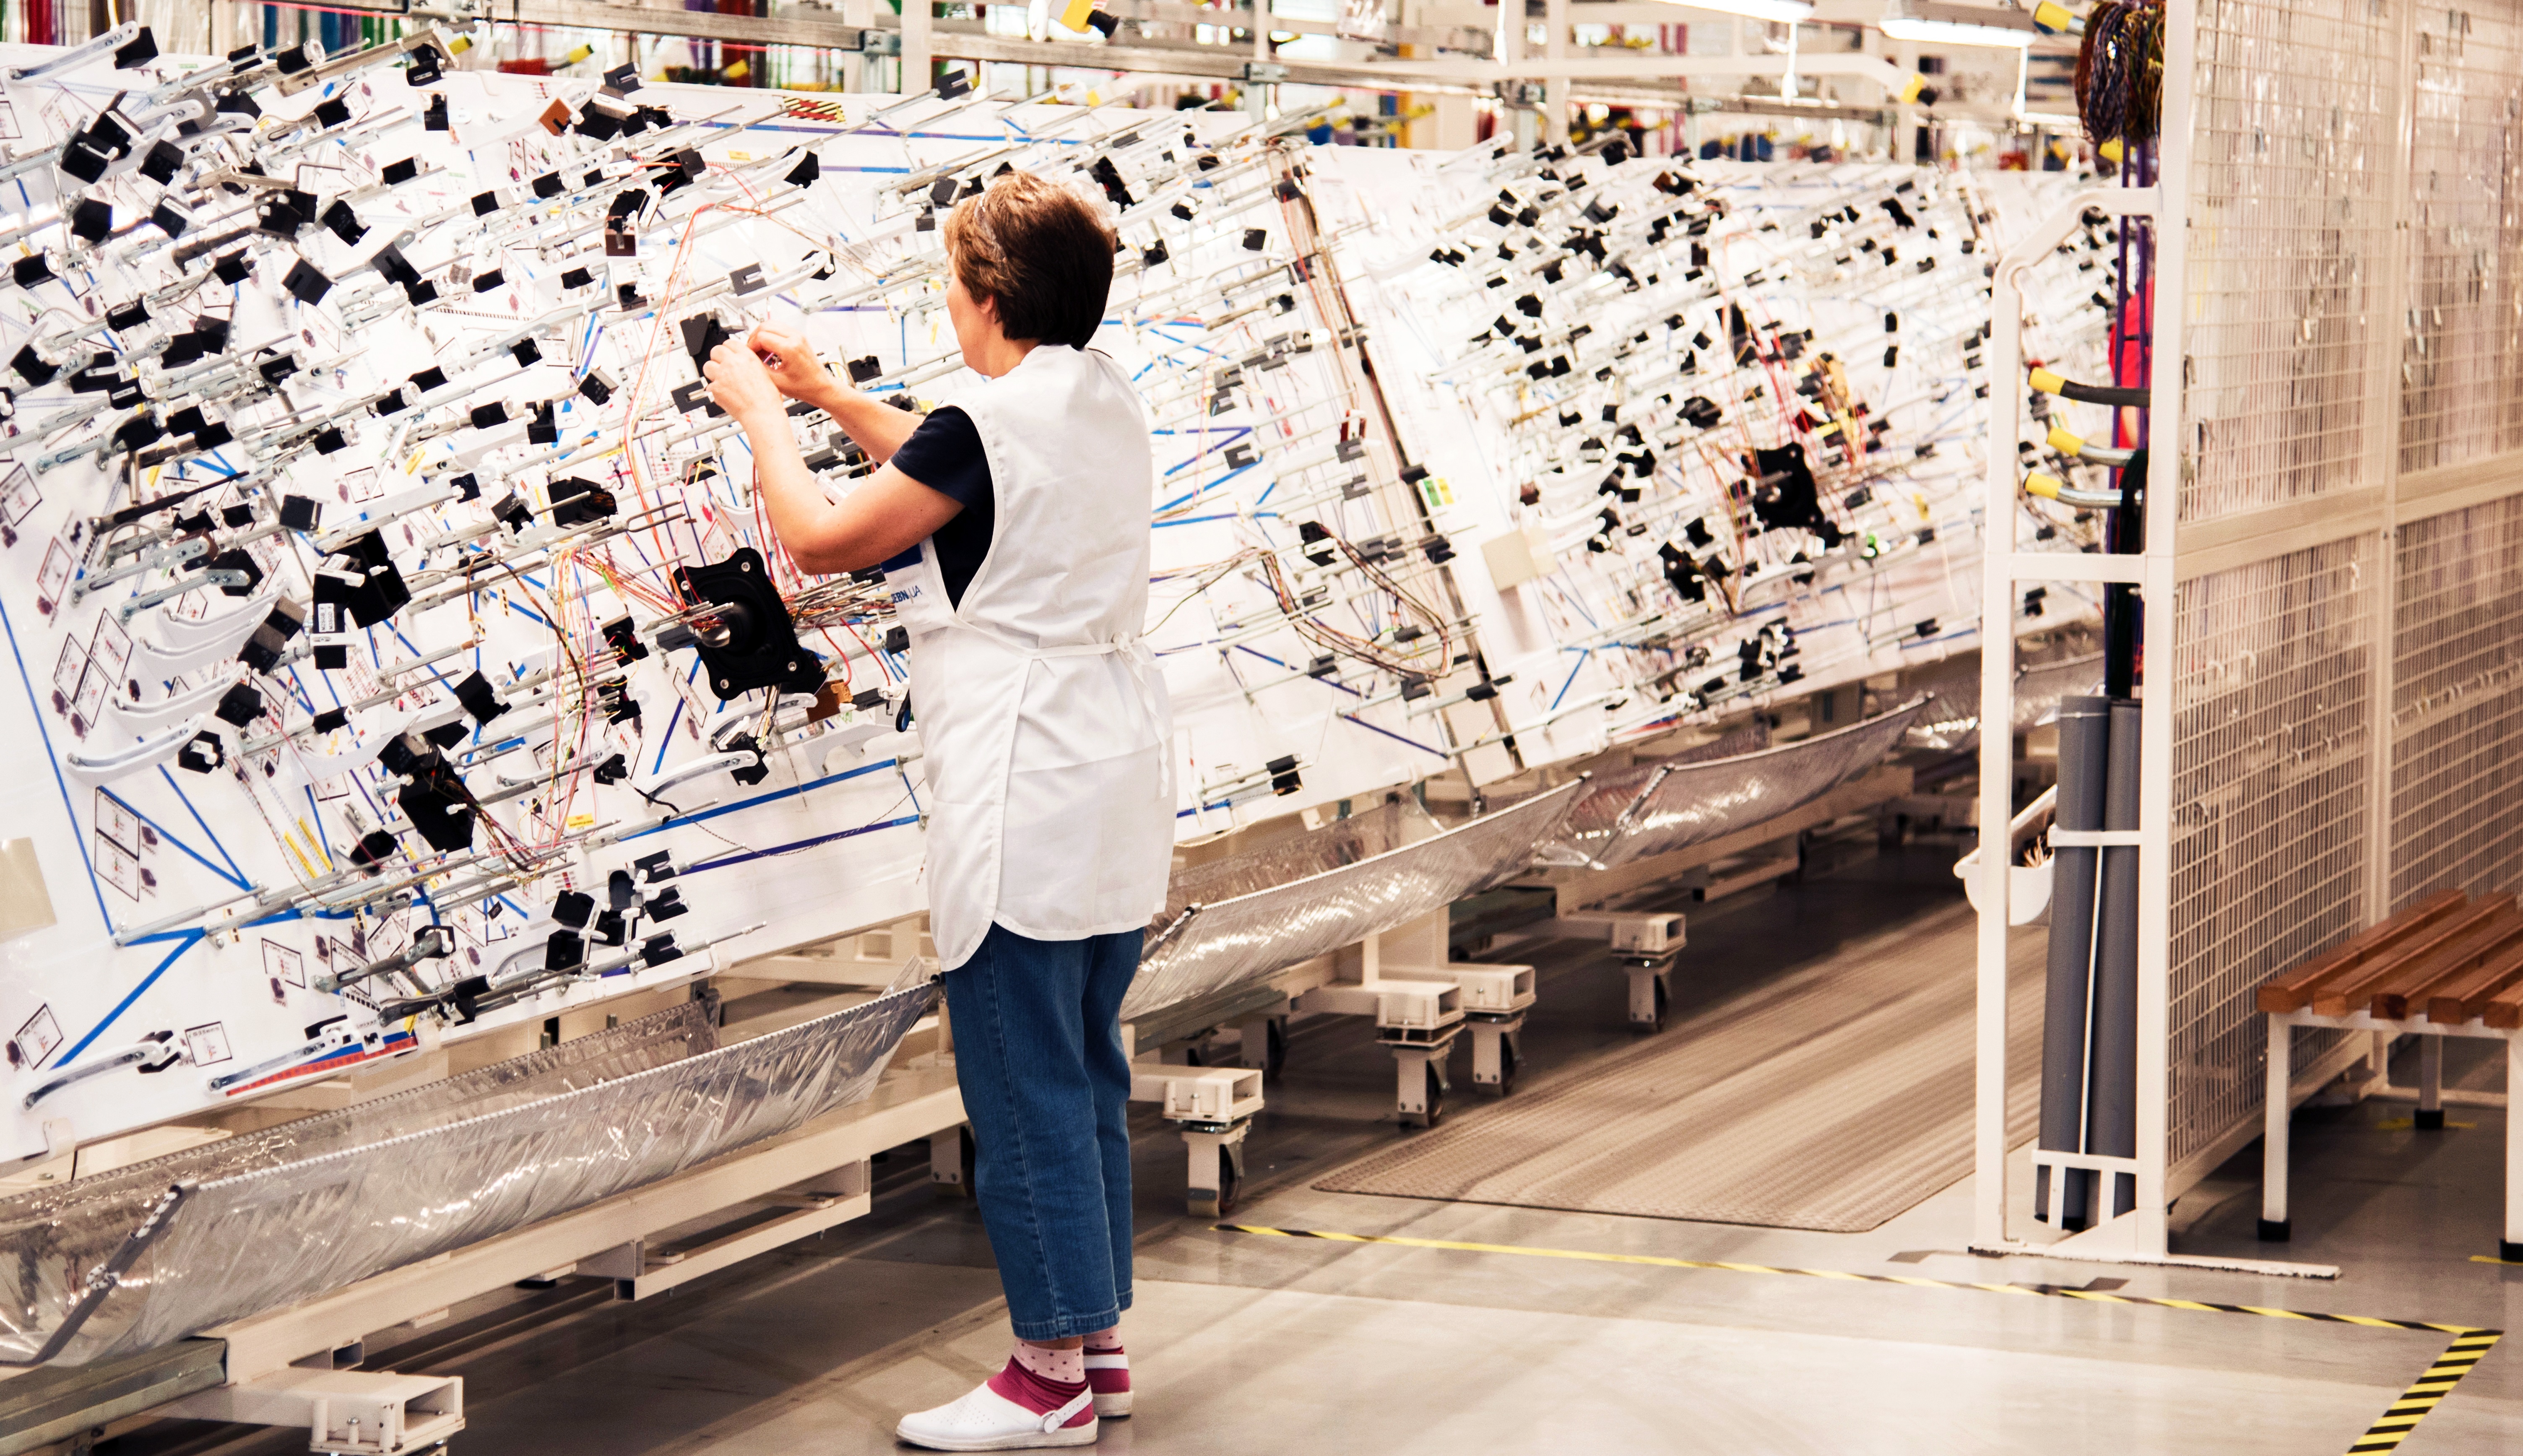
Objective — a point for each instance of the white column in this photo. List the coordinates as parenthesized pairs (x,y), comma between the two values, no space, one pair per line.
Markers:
(1554,116)
(914,46)
(855,69)
(1996,768)
(2511,1245)
(2273,1138)
(1256,94)
(2155,1132)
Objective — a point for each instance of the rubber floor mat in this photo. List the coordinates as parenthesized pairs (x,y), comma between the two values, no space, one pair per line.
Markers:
(1831,1100)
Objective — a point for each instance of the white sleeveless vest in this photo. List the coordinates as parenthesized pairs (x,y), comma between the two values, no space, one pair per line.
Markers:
(1043,723)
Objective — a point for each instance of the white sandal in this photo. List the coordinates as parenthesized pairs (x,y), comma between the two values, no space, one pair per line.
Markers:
(984,1420)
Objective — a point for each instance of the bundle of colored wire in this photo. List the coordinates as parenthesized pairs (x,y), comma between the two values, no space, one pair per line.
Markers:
(2119,72)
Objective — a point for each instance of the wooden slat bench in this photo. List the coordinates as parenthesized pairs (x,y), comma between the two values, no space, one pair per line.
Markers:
(2448,966)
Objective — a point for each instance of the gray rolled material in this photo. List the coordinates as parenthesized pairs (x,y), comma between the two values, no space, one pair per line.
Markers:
(236,1228)
(1209,945)
(2084,734)
(2111,1124)
(1657,808)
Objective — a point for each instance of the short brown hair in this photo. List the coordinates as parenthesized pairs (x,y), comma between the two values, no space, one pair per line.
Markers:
(1041,251)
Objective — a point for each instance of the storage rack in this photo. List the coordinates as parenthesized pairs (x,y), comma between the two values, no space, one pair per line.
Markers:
(2329,573)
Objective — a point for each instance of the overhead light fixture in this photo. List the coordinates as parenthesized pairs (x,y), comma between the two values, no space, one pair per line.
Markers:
(1786,12)
(1936,22)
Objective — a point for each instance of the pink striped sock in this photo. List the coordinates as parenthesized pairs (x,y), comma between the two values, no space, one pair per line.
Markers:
(1032,1379)
(1108,1365)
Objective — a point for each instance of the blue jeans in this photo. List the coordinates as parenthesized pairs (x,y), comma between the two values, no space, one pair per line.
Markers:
(1047,1087)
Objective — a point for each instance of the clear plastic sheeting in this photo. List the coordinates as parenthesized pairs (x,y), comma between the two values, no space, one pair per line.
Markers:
(1657,808)
(339,1198)
(51,1240)
(1343,841)
(1950,721)
(1751,737)
(1327,903)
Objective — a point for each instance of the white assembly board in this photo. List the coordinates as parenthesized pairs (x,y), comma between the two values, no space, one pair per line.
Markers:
(400,651)
(1635,384)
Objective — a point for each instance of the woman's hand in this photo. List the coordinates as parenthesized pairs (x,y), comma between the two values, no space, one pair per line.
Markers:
(738,383)
(789,362)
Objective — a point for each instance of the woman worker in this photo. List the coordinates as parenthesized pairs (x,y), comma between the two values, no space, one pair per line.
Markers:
(1013,525)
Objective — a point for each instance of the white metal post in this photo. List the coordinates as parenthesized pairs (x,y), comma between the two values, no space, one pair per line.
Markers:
(2155,816)
(916,16)
(858,74)
(2274,1139)
(1555,41)
(2383,466)
(1257,92)
(2169,312)
(2511,1245)
(1996,761)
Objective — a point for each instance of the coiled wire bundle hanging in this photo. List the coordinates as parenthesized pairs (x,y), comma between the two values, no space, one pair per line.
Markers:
(2120,72)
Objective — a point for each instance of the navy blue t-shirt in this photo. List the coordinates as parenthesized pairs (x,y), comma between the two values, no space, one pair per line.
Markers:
(945,454)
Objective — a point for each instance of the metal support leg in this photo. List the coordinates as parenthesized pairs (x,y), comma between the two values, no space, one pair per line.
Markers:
(2430,1117)
(2273,1142)
(1421,1083)
(2511,1245)
(950,1161)
(1264,1042)
(1496,1055)
(1648,989)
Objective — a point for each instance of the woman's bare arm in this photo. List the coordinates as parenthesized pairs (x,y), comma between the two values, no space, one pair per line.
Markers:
(789,362)
(882,519)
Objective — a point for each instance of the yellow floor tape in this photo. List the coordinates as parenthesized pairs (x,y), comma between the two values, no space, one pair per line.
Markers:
(2469,1345)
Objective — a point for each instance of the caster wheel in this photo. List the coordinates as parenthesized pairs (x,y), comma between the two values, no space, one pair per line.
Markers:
(1274,1049)
(1229,1192)
(1436,1097)
(1651,1028)
(1230,1182)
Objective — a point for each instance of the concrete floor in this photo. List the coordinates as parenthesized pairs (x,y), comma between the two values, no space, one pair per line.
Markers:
(1244,1343)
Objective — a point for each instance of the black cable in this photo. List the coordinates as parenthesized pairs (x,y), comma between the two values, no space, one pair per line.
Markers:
(2120,72)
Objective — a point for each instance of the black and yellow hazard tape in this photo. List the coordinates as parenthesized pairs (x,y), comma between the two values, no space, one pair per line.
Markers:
(2424,1394)
(2469,1344)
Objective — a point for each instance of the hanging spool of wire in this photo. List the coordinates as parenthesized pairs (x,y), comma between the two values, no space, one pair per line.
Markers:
(2120,72)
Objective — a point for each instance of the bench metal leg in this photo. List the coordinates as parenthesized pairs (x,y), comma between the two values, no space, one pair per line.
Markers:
(2273,1142)
(2511,1245)
(2430,1116)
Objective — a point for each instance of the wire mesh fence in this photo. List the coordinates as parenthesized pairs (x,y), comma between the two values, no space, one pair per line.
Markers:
(2462,345)
(2457,703)
(2273,673)
(2294,124)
